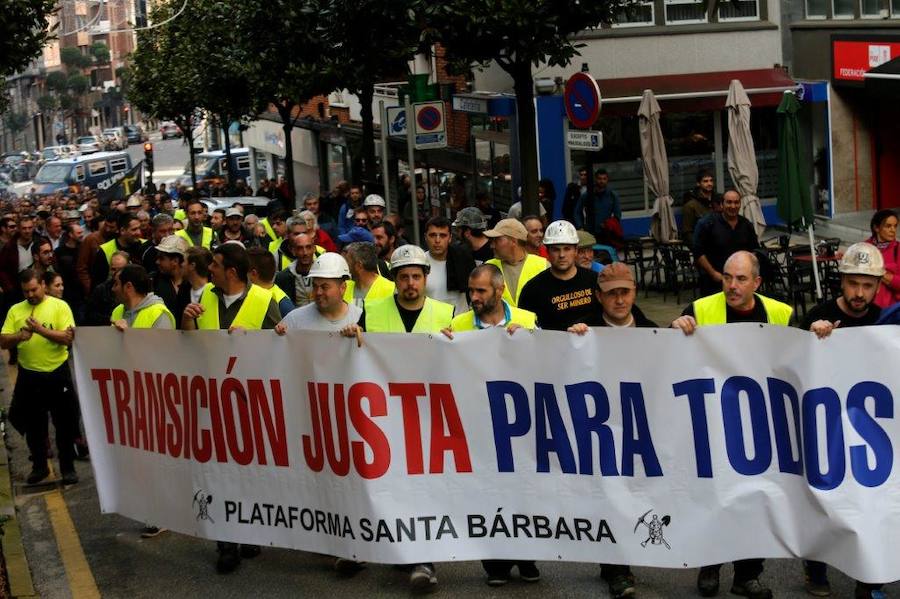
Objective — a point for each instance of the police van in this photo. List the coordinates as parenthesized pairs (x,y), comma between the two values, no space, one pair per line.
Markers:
(212,166)
(100,171)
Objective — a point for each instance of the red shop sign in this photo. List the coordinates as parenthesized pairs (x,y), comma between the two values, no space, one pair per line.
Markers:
(851,59)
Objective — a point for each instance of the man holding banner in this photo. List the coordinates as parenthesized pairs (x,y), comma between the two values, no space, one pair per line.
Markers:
(738,302)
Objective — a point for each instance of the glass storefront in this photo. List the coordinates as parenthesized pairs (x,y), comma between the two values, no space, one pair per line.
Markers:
(690,145)
(493,168)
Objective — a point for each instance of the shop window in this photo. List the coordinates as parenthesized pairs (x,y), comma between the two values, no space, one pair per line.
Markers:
(842,9)
(681,12)
(870,9)
(743,10)
(816,9)
(635,16)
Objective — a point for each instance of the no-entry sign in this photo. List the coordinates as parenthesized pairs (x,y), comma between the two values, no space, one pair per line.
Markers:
(582,100)
(430,125)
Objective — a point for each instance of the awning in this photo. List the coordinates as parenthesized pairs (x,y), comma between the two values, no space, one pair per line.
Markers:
(884,80)
(693,92)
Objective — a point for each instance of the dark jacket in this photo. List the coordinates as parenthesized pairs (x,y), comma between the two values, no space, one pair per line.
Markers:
(100,304)
(570,201)
(640,320)
(460,264)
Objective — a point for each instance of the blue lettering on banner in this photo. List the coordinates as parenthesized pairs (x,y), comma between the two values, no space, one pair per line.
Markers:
(586,442)
(871,433)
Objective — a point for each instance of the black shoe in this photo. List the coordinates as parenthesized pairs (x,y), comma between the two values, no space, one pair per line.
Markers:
(708,581)
(497,579)
(621,585)
(229,559)
(81,450)
(69,477)
(423,578)
(528,571)
(752,588)
(250,551)
(37,475)
(348,567)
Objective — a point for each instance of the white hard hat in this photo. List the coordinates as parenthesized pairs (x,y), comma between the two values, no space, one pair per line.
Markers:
(862,259)
(373,199)
(561,232)
(330,265)
(409,255)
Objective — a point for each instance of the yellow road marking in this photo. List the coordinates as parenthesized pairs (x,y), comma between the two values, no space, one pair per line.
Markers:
(81,580)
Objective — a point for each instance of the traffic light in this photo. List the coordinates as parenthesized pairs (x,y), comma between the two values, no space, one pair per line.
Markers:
(148,157)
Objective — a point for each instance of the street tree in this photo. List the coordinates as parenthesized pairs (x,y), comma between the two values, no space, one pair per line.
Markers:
(24,30)
(283,79)
(100,52)
(74,59)
(224,65)
(518,36)
(371,41)
(161,80)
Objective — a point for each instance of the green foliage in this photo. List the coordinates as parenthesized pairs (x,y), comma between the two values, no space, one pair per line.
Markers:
(74,59)
(16,121)
(23,32)
(56,81)
(48,103)
(78,84)
(100,52)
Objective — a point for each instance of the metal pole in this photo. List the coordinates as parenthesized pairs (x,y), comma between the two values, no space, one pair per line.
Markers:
(411,156)
(815,264)
(385,176)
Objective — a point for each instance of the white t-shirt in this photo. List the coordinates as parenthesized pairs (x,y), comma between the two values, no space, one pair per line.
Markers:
(196,293)
(230,299)
(26,260)
(310,319)
(436,286)
(515,211)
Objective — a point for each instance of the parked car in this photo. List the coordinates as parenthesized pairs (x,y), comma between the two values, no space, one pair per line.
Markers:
(211,166)
(98,170)
(89,143)
(51,153)
(115,138)
(170,131)
(135,134)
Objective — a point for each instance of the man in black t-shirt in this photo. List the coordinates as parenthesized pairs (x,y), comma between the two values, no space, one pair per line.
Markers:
(562,295)
(861,270)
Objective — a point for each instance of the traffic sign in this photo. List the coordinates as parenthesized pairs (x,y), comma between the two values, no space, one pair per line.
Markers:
(590,141)
(430,126)
(396,121)
(582,99)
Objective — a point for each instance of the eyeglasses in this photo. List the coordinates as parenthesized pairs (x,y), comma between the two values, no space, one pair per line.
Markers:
(360,221)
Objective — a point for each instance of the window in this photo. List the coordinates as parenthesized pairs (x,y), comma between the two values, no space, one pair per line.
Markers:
(636,16)
(816,9)
(843,9)
(895,8)
(97,168)
(679,12)
(870,9)
(742,10)
(243,163)
(118,165)
(79,172)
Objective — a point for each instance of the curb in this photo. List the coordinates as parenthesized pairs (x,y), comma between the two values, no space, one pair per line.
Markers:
(17,570)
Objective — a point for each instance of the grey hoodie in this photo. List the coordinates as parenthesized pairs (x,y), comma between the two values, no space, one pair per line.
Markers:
(162,322)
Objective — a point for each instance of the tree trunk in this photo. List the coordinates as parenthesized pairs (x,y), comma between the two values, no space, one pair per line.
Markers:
(523,84)
(190,141)
(285,109)
(366,94)
(229,176)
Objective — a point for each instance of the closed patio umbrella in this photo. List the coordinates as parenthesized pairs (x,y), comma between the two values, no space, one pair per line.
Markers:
(656,169)
(742,155)
(794,205)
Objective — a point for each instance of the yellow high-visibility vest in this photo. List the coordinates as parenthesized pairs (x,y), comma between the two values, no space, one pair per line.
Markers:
(205,240)
(382,316)
(534,265)
(146,317)
(381,287)
(712,310)
(523,318)
(250,316)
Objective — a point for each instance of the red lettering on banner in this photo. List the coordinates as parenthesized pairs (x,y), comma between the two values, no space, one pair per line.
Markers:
(409,394)
(140,414)
(201,446)
(234,398)
(163,413)
(340,464)
(312,448)
(371,434)
(172,394)
(123,410)
(102,376)
(215,415)
(444,411)
(274,423)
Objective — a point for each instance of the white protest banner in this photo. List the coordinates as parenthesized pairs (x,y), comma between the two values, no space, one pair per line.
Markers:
(623,446)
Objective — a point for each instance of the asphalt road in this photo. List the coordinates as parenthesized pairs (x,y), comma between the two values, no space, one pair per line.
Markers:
(169,157)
